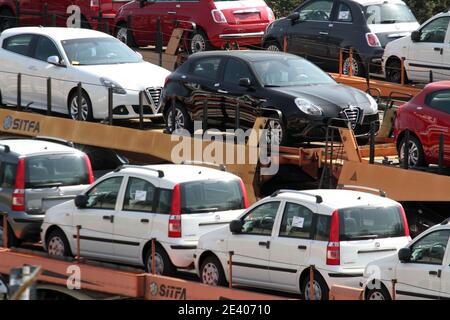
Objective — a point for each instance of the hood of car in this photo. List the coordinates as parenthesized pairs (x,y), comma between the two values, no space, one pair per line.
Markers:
(131,76)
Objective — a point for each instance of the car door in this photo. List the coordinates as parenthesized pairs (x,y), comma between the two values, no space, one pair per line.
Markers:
(427,53)
(133,221)
(30,12)
(420,278)
(291,245)
(308,36)
(97,219)
(251,247)
(445,277)
(143,21)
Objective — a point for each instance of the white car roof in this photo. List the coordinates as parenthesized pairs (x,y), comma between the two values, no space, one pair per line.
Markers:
(338,199)
(180,173)
(369,2)
(27,147)
(56,33)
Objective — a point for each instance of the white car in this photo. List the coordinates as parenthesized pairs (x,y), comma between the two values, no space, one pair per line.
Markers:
(69,56)
(426,49)
(421,270)
(125,209)
(277,239)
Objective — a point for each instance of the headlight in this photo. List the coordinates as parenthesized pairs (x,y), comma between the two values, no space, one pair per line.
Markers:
(373,103)
(112,84)
(307,107)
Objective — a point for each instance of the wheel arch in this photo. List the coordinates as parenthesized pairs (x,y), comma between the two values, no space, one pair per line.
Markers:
(366,289)
(146,250)
(305,273)
(271,39)
(53,228)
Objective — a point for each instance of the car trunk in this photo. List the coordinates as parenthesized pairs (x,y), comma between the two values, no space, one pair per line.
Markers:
(243,12)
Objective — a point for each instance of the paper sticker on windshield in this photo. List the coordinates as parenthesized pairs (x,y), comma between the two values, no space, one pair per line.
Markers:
(344,15)
(140,195)
(297,222)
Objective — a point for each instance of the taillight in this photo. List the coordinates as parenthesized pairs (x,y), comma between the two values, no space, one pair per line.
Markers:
(372,40)
(405,221)
(218,16)
(18,196)
(89,168)
(333,247)
(175,214)
(244,194)
(95,5)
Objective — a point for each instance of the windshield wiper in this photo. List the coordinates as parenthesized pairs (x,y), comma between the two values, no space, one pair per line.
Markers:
(47,185)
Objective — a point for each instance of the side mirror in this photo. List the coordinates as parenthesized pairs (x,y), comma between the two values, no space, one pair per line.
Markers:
(55,61)
(295,16)
(404,255)
(81,201)
(245,82)
(236,226)
(415,36)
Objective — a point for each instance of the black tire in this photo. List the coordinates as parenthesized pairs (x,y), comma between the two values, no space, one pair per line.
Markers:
(393,71)
(183,122)
(57,244)
(378,294)
(88,116)
(417,156)
(323,294)
(198,42)
(122,34)
(358,67)
(272,45)
(7,19)
(167,268)
(212,273)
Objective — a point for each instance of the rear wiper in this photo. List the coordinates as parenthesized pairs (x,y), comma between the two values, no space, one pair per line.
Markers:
(388,21)
(366,236)
(271,86)
(200,210)
(47,185)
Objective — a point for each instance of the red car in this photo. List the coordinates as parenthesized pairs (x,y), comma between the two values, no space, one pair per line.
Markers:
(30,10)
(217,22)
(427,116)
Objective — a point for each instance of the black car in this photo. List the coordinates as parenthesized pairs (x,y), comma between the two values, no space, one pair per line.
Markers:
(268,84)
(317,30)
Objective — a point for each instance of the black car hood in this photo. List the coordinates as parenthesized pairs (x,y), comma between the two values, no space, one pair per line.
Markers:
(327,95)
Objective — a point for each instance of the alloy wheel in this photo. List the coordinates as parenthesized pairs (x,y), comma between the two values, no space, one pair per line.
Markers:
(346,67)
(180,121)
(74,109)
(376,295)
(159,264)
(413,156)
(210,274)
(274,132)
(56,247)
(122,35)
(273,47)
(198,43)
(317,291)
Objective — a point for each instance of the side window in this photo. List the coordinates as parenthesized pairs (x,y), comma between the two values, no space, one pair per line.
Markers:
(261,219)
(20,44)
(236,70)
(435,31)
(45,48)
(431,248)
(139,196)
(297,221)
(206,68)
(322,228)
(344,13)
(316,11)
(104,195)
(439,100)
(164,202)
(8,175)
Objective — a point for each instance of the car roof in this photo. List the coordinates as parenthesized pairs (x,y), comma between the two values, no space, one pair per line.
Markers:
(55,33)
(29,147)
(337,198)
(249,55)
(369,2)
(439,85)
(181,173)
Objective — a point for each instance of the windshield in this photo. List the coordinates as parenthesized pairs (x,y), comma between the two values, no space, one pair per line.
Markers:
(98,51)
(388,13)
(57,170)
(281,71)
(210,196)
(370,223)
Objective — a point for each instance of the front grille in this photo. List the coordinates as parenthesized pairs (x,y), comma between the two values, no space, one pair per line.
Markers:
(352,114)
(154,95)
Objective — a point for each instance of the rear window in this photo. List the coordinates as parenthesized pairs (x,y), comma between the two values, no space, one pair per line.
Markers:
(385,13)
(56,170)
(210,196)
(361,223)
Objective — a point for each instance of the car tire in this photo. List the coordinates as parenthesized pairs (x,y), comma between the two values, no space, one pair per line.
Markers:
(57,244)
(122,35)
(7,19)
(272,45)
(378,294)
(321,291)
(212,273)
(199,42)
(164,265)
(182,119)
(358,67)
(417,156)
(87,114)
(393,71)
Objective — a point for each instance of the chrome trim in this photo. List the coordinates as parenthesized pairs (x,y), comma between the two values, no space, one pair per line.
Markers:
(254,10)
(153,95)
(241,35)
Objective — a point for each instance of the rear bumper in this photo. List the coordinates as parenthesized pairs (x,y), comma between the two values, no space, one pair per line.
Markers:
(182,254)
(250,34)
(25,226)
(343,277)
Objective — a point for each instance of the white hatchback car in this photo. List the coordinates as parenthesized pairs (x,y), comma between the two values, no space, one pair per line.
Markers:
(125,209)
(421,270)
(69,56)
(277,239)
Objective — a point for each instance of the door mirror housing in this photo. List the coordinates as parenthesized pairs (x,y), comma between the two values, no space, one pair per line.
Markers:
(404,255)
(294,17)
(415,36)
(81,201)
(245,82)
(55,60)
(236,226)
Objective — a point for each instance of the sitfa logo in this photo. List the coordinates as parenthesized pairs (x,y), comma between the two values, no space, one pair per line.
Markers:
(167,291)
(10,123)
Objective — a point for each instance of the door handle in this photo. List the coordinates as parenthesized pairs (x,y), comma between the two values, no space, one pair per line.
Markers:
(265,244)
(171,12)
(110,218)
(222,91)
(435,273)
(323,33)
(441,50)
(302,247)
(145,220)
